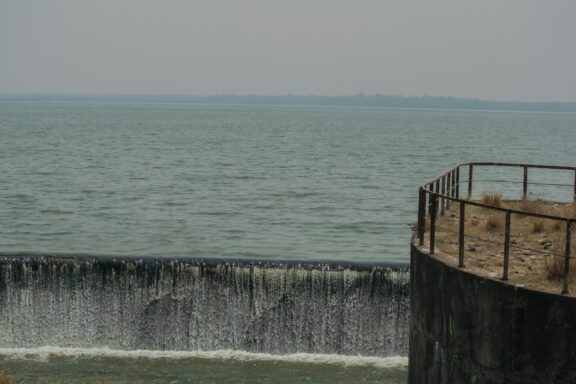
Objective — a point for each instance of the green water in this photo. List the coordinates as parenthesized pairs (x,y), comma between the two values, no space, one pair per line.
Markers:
(241,181)
(85,366)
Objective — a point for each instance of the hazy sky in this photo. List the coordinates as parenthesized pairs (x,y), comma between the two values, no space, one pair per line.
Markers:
(496,49)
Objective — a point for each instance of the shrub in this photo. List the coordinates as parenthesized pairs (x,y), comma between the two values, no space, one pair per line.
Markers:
(492,197)
(554,264)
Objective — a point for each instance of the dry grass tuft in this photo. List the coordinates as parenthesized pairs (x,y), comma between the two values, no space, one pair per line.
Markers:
(6,378)
(534,206)
(538,225)
(566,211)
(494,223)
(492,197)
(554,264)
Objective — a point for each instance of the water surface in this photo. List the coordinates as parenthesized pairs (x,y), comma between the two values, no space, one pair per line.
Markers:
(237,181)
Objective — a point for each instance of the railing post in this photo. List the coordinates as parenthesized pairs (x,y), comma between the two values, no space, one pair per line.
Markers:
(421,215)
(575,186)
(431,187)
(458,183)
(448,189)
(436,200)
(461,235)
(525,184)
(567,253)
(470,176)
(433,197)
(506,245)
(443,193)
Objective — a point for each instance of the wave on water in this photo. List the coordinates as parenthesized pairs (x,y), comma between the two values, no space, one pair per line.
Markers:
(47,352)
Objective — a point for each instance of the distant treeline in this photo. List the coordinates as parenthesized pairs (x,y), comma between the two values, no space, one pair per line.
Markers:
(359,100)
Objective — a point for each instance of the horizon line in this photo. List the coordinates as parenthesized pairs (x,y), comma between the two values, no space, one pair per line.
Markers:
(285,95)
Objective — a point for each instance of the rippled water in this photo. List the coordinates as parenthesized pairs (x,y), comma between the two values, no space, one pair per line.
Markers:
(240,181)
(237,181)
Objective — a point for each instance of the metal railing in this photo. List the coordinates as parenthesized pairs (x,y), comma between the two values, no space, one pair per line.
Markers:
(436,196)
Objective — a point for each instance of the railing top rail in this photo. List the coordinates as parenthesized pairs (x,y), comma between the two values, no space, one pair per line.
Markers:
(521,165)
(427,187)
(429,182)
(494,164)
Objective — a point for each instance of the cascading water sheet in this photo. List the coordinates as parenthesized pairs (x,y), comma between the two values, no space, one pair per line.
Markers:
(203,305)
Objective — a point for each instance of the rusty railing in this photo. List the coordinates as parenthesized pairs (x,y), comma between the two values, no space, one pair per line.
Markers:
(438,194)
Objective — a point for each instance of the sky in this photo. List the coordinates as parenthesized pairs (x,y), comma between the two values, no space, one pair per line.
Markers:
(489,49)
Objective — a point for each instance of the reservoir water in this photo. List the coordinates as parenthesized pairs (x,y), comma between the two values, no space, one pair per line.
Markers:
(155,181)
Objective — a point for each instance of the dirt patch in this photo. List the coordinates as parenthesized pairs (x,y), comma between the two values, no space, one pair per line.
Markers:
(537,246)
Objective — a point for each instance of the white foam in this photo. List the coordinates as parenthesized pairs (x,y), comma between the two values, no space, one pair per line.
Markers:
(44,353)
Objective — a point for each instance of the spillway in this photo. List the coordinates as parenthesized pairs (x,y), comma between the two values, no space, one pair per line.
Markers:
(182,304)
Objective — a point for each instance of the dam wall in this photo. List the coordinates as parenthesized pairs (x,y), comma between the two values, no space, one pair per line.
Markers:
(201,305)
(470,329)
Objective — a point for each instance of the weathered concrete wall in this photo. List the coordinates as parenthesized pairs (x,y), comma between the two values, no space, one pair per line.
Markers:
(467,329)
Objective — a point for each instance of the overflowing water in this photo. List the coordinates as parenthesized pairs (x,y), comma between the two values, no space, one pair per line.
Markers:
(122,309)
(265,190)
(188,305)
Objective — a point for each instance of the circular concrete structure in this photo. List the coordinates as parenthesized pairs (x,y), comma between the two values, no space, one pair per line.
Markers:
(470,329)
